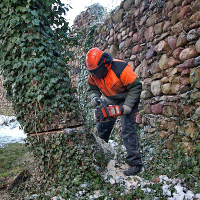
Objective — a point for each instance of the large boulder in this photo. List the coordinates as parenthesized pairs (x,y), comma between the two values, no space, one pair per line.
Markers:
(127,4)
(146,94)
(156,88)
(117,16)
(113,50)
(163,62)
(188,53)
(198,46)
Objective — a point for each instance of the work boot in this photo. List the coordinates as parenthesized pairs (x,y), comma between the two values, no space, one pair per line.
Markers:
(132,170)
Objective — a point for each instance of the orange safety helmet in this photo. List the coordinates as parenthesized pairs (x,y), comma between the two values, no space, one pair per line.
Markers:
(97,62)
(92,58)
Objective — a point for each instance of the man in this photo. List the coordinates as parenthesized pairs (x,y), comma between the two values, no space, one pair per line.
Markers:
(118,83)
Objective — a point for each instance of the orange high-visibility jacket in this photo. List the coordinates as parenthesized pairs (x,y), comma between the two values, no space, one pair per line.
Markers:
(119,85)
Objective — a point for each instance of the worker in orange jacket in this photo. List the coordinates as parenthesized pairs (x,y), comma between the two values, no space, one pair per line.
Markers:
(116,81)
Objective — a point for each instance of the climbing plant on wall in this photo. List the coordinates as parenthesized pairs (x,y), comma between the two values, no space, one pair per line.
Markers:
(33,37)
(82,81)
(96,16)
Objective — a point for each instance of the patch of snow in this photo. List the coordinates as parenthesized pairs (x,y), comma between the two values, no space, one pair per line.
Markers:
(97,194)
(197,196)
(115,145)
(33,196)
(114,174)
(166,190)
(181,192)
(10,131)
(147,190)
(189,195)
(57,198)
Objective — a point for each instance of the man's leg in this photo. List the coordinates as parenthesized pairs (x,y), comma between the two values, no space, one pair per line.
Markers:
(104,129)
(131,141)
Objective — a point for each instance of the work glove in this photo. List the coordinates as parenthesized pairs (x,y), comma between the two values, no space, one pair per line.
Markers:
(127,110)
(95,101)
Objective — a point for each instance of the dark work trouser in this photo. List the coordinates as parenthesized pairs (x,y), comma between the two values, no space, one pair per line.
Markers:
(129,136)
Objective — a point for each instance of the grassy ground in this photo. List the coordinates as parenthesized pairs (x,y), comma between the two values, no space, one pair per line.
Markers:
(14,158)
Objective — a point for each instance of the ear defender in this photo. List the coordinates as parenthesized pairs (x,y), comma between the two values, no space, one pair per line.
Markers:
(107,58)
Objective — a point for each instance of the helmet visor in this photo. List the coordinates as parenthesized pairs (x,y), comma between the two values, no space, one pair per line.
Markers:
(100,71)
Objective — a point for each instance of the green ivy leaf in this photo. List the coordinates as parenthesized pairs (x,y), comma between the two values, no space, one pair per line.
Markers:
(36,22)
(34,12)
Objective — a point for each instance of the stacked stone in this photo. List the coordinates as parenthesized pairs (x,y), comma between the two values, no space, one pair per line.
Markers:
(160,41)
(93,15)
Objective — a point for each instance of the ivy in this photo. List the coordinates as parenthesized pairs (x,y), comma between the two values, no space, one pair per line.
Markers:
(82,80)
(34,37)
(68,161)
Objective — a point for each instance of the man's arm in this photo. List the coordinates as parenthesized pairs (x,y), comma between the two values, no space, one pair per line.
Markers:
(134,91)
(93,91)
(133,85)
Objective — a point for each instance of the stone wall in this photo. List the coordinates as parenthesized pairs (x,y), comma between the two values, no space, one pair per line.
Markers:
(160,41)
(5,106)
